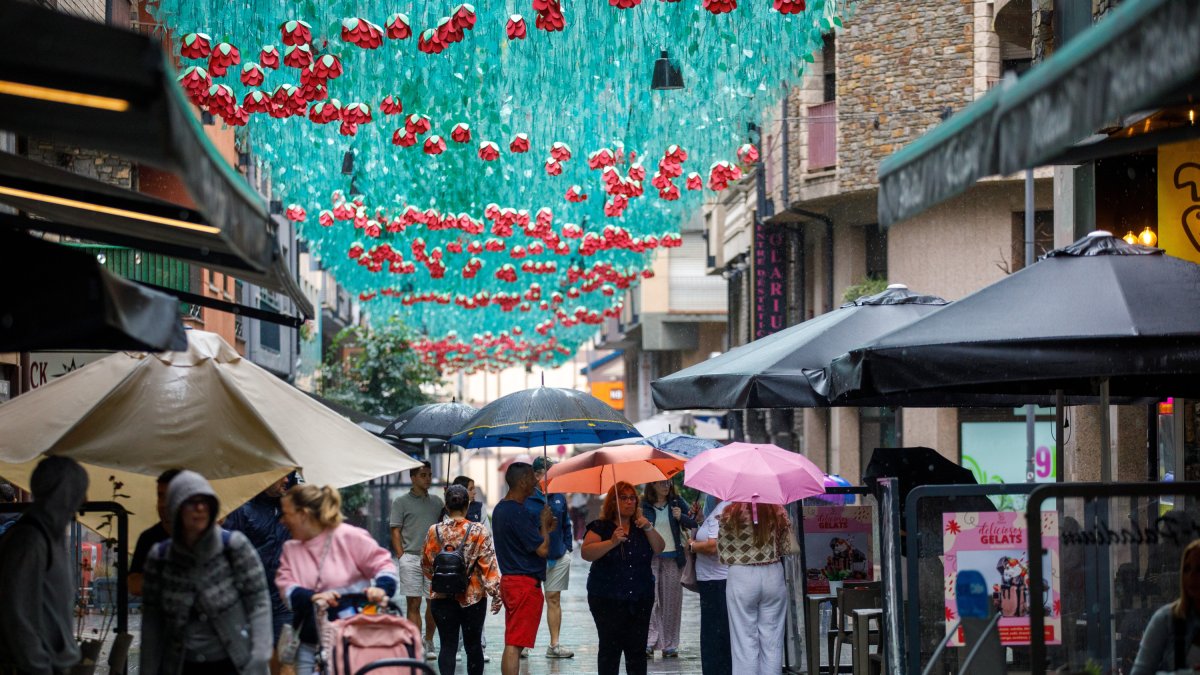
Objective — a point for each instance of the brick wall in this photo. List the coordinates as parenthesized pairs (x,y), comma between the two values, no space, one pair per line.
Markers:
(109,169)
(902,61)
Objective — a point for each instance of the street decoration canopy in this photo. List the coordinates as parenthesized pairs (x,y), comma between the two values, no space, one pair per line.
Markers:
(497,175)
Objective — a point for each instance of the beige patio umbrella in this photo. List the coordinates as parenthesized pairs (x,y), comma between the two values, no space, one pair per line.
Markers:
(132,415)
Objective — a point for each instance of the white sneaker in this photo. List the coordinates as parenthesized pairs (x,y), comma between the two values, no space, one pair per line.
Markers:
(430,653)
(486,658)
(558,652)
(525,652)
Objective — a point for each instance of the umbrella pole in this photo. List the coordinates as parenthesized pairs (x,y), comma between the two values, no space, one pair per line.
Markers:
(1105,434)
(1059,441)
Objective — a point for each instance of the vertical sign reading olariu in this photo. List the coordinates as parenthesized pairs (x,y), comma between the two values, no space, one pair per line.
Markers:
(770,287)
(1179,200)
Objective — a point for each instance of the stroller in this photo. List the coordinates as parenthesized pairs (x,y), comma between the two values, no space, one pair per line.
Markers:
(358,637)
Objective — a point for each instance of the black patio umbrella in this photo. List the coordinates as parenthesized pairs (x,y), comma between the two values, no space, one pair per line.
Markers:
(769,372)
(433,421)
(60,298)
(1098,309)
(544,416)
(916,466)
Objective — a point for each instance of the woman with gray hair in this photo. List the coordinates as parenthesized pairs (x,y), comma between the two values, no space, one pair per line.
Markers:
(205,607)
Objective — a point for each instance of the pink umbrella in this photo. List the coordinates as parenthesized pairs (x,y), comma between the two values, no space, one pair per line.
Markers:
(596,471)
(759,474)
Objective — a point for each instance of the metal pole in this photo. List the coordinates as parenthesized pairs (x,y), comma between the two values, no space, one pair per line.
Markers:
(889,525)
(1060,442)
(1105,435)
(1030,422)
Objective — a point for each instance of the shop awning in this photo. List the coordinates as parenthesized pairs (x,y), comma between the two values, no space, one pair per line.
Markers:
(53,87)
(1145,55)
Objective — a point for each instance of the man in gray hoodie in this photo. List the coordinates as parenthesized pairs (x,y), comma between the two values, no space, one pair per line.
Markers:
(36,578)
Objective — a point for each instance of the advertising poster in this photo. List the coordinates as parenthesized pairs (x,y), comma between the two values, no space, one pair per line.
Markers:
(837,545)
(996,545)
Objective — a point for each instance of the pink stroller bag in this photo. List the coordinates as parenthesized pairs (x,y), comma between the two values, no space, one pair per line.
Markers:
(354,642)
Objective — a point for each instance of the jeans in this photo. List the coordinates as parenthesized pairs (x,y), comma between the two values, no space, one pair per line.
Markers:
(306,659)
(715,656)
(622,627)
(450,617)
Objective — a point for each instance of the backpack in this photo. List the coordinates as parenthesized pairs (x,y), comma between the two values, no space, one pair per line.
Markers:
(450,572)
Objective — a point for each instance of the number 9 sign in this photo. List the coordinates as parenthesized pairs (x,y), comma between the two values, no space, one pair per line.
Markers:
(1043,460)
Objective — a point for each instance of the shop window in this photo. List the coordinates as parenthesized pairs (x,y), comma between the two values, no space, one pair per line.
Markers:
(268,333)
(876,245)
(829,61)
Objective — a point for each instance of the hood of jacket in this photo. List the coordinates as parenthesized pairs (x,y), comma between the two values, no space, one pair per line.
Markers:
(59,486)
(183,487)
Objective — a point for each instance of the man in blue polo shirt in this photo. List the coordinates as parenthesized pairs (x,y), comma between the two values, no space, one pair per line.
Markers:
(522,541)
(558,560)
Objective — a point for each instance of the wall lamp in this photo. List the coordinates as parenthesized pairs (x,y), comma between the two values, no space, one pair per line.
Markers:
(63,96)
(107,210)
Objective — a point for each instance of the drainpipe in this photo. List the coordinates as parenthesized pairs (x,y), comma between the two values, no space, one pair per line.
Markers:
(829,306)
(787,146)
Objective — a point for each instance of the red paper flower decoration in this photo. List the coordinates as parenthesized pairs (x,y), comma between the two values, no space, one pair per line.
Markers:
(637,172)
(269,57)
(398,27)
(789,6)
(748,154)
(670,169)
(575,194)
(675,154)
(520,143)
(417,124)
(489,151)
(362,33)
(256,102)
(295,33)
(464,16)
(390,105)
(434,145)
(720,6)
(196,82)
(327,67)
(516,27)
(553,168)
(720,175)
(325,218)
(601,158)
(694,181)
(670,193)
(549,16)
(195,46)
(461,133)
(404,139)
(297,56)
(560,151)
(252,74)
(348,128)
(239,117)
(325,112)
(356,113)
(220,99)
(295,213)
(222,57)
(624,4)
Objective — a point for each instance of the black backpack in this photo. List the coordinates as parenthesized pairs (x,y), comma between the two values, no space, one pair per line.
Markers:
(450,571)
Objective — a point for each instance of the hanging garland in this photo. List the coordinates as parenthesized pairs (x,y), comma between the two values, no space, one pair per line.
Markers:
(498,111)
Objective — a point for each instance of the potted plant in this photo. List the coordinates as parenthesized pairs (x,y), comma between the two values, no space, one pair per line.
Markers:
(836,577)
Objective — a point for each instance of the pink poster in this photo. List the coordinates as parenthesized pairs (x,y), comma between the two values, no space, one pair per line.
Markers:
(837,545)
(997,546)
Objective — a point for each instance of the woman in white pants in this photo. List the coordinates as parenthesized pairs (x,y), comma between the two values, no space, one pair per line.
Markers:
(751,540)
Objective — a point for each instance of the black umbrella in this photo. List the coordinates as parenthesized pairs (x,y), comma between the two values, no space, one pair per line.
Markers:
(544,416)
(433,421)
(913,467)
(769,372)
(59,298)
(1099,309)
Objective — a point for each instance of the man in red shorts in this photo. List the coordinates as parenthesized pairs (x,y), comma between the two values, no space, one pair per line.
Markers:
(522,541)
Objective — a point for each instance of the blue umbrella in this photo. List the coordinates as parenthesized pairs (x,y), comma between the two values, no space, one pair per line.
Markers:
(682,444)
(544,416)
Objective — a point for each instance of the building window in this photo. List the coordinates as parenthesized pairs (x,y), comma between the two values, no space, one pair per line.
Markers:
(268,333)
(829,61)
(876,245)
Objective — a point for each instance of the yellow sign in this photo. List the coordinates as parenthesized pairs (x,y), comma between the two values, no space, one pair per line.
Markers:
(612,393)
(1179,200)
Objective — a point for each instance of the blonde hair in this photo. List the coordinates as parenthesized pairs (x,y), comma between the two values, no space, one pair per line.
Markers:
(323,504)
(1183,606)
(610,510)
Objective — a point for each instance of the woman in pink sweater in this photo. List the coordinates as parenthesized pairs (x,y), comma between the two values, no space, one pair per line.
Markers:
(325,559)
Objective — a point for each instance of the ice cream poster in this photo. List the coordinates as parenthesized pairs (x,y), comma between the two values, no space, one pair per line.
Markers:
(837,545)
(997,546)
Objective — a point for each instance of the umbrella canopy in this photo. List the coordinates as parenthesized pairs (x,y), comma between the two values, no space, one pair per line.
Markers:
(746,472)
(681,444)
(544,416)
(596,471)
(133,415)
(92,307)
(433,421)
(1091,310)
(769,372)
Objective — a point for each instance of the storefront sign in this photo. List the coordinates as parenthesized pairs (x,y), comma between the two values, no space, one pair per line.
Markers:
(996,452)
(837,545)
(997,546)
(770,283)
(41,368)
(1179,200)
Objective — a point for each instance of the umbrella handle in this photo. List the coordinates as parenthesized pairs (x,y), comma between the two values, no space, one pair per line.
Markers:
(754,509)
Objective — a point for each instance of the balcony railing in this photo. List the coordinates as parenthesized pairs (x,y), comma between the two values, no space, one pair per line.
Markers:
(822,136)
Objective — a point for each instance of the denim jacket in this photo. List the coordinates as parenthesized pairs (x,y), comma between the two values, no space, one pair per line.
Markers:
(685,520)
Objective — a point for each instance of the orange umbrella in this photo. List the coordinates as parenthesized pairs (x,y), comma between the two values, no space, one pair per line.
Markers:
(596,471)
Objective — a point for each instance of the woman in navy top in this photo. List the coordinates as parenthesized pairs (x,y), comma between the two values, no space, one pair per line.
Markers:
(620,546)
